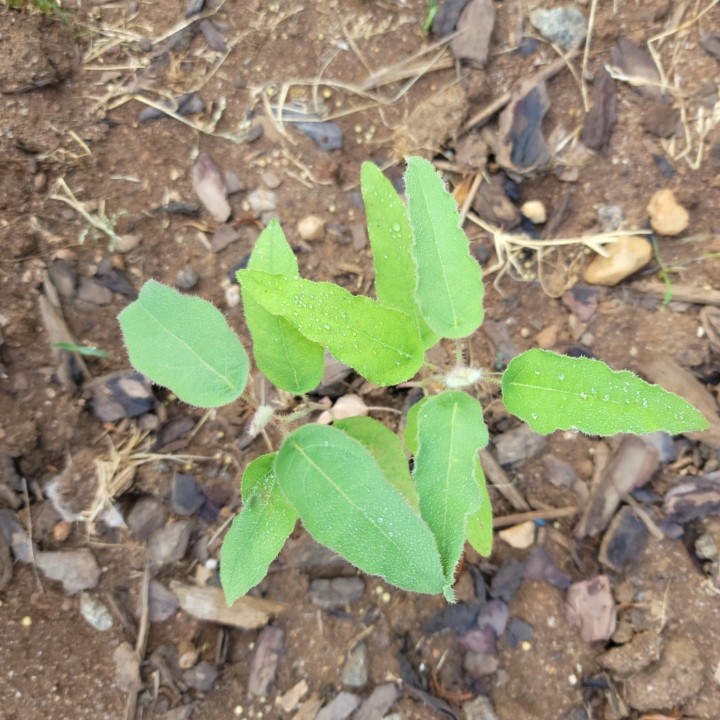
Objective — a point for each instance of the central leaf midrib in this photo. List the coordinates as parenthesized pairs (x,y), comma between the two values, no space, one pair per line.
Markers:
(591,397)
(192,350)
(360,510)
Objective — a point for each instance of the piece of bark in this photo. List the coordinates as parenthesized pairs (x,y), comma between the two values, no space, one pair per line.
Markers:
(632,465)
(208,603)
(497,476)
(265,660)
(664,371)
(600,119)
(309,709)
(682,293)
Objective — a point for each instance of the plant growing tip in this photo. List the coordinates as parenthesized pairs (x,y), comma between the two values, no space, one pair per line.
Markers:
(350,484)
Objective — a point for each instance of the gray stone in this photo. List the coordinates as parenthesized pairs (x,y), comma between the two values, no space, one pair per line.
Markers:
(202,677)
(506,581)
(187,278)
(518,631)
(355,669)
(14,535)
(233,183)
(326,135)
(76,569)
(169,544)
(705,547)
(339,708)
(224,235)
(379,702)
(663,443)
(480,664)
(162,602)
(262,200)
(359,236)
(186,495)
(334,593)
(479,709)
(494,614)
(64,277)
(127,394)
(93,292)
(95,611)
(563,26)
(148,514)
(610,217)
(518,445)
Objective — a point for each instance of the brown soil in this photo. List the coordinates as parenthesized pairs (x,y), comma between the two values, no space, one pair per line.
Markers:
(60,667)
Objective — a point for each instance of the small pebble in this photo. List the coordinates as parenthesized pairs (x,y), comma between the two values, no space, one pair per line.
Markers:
(524,332)
(271,179)
(26,621)
(62,530)
(519,536)
(40,182)
(311,228)
(127,243)
(95,611)
(547,337)
(526,646)
(262,200)
(610,217)
(232,296)
(534,210)
(187,278)
(625,257)
(667,216)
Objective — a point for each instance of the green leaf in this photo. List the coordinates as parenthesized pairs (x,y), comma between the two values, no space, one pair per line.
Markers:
(449,290)
(345,503)
(258,533)
(391,237)
(378,342)
(287,358)
(384,445)
(555,392)
(184,343)
(82,349)
(479,525)
(451,430)
(410,435)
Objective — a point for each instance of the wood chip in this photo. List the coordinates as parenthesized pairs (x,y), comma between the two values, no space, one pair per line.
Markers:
(208,603)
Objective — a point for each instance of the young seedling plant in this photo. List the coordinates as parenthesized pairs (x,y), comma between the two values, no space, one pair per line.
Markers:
(350,483)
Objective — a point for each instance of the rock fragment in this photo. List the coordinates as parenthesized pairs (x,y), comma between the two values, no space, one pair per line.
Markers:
(355,669)
(341,707)
(667,216)
(564,26)
(202,677)
(329,594)
(626,256)
(127,668)
(210,188)
(475,27)
(94,610)
(519,536)
(76,569)
(518,445)
(311,228)
(534,211)
(590,607)
(380,701)
(186,495)
(169,544)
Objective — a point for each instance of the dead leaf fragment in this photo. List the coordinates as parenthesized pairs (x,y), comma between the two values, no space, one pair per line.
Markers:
(637,65)
(601,118)
(521,147)
(475,27)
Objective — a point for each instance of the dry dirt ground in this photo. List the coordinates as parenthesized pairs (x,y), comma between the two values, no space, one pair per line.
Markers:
(69,124)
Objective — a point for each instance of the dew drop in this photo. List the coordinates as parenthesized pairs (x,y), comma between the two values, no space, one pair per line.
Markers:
(533,416)
(537,372)
(607,397)
(583,395)
(561,377)
(396,227)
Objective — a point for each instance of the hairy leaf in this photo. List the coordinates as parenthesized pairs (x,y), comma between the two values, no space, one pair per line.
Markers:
(345,503)
(258,533)
(380,343)
(449,289)
(410,435)
(451,430)
(184,343)
(288,359)
(384,445)
(391,238)
(479,525)
(555,392)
